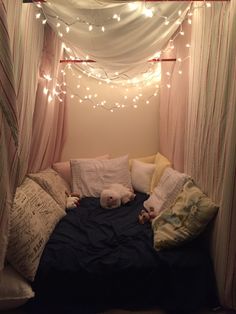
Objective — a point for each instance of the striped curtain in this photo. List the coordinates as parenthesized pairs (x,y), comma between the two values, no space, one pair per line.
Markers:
(9,135)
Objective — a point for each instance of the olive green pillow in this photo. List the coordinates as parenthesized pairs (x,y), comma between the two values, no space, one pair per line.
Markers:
(185,219)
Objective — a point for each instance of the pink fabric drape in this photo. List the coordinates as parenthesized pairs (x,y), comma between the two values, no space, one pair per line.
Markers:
(26,46)
(174,100)
(50,113)
(23,112)
(8,134)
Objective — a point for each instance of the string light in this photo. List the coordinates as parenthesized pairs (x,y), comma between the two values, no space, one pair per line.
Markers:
(134,81)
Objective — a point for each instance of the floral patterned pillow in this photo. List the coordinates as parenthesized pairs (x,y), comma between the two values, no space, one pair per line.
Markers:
(185,219)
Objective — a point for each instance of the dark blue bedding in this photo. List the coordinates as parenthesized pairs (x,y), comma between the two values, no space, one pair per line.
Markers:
(104,257)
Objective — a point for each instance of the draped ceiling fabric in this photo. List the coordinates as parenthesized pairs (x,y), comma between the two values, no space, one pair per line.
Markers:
(124,46)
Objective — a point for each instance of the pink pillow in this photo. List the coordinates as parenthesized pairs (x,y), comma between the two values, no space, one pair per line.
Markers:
(63,168)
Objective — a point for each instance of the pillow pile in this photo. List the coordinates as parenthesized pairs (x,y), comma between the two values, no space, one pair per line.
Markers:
(34,215)
(166,191)
(91,176)
(185,219)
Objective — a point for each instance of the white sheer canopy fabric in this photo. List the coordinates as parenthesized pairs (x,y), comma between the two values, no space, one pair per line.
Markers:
(129,38)
(210,151)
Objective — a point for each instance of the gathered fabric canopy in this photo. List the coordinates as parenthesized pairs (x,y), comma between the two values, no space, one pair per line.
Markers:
(120,36)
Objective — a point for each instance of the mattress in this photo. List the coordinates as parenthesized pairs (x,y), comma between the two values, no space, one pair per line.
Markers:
(104,258)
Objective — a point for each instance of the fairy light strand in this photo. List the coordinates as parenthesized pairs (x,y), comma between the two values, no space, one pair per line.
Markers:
(58,91)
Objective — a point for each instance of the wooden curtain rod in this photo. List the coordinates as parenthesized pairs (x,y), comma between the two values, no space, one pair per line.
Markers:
(76,61)
(89,60)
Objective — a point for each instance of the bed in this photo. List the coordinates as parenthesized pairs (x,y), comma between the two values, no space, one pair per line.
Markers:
(88,259)
(99,258)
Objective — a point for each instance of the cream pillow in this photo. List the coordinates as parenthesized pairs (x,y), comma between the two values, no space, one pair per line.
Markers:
(161,163)
(91,176)
(148,159)
(53,184)
(185,219)
(14,289)
(166,191)
(141,176)
(33,217)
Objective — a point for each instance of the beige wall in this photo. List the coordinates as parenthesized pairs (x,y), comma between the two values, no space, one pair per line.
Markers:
(93,132)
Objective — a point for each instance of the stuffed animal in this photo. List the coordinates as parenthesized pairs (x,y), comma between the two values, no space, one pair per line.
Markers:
(146,215)
(115,195)
(72,200)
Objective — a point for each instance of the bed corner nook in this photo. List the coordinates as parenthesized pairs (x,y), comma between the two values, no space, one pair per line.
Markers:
(140,93)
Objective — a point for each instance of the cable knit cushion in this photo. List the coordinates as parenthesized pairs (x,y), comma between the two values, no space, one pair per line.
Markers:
(53,184)
(185,219)
(33,217)
(91,176)
(166,191)
(14,289)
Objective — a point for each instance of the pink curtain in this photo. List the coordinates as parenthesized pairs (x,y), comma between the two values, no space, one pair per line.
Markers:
(9,135)
(26,47)
(174,100)
(50,109)
(32,128)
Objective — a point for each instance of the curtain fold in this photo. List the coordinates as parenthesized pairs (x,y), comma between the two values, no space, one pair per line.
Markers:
(9,135)
(128,40)
(49,118)
(174,100)
(210,152)
(26,48)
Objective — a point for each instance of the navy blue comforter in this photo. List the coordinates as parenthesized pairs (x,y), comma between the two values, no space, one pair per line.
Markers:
(105,257)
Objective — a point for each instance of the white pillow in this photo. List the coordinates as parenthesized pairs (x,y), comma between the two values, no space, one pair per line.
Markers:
(141,176)
(14,289)
(91,176)
(166,191)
